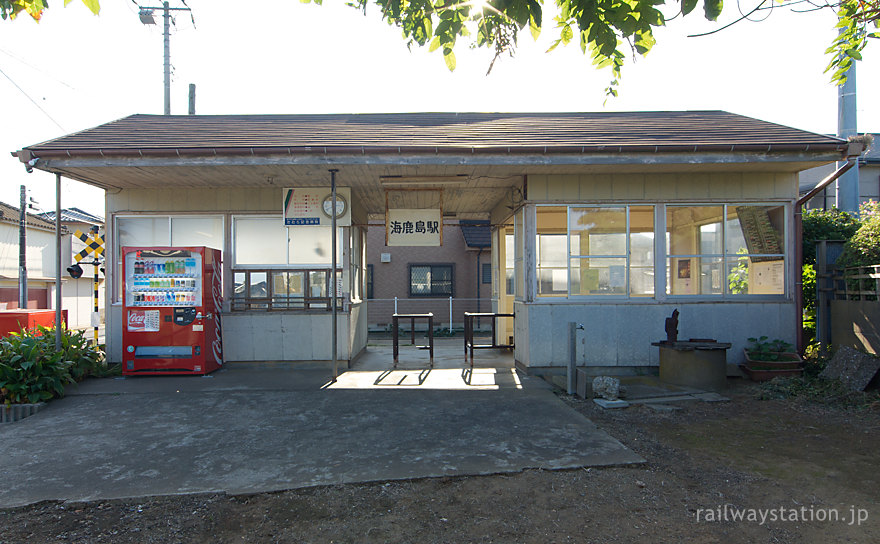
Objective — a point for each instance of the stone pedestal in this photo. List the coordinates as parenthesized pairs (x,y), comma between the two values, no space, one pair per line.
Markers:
(702,365)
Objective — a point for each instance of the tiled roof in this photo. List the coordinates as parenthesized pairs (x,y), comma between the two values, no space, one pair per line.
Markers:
(161,135)
(11,214)
(74,215)
(477,232)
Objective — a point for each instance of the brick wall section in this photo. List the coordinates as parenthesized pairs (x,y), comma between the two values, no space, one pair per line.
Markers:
(392,279)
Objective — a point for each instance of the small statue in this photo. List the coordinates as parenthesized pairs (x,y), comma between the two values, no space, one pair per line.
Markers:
(672,327)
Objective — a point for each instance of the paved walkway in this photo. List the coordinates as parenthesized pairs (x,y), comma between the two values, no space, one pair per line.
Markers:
(247,429)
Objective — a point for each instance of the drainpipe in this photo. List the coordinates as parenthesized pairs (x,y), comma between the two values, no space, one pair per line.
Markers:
(799,243)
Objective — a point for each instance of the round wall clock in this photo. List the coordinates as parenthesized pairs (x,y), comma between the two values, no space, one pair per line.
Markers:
(341,205)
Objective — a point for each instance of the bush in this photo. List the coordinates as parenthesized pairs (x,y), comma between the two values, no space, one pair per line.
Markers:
(31,370)
(830,224)
(809,293)
(863,248)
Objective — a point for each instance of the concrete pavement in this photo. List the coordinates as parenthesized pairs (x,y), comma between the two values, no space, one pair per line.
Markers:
(249,429)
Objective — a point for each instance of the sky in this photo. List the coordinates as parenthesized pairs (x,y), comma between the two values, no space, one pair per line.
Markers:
(73,71)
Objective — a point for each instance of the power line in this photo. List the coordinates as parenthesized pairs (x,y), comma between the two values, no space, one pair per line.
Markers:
(32,101)
(31,66)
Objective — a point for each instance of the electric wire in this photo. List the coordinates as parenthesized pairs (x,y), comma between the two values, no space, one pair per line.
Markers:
(31,66)
(32,100)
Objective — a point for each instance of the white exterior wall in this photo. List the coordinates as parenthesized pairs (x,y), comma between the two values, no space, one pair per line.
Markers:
(283,336)
(619,333)
(77,297)
(247,336)
(40,252)
(359,328)
(669,188)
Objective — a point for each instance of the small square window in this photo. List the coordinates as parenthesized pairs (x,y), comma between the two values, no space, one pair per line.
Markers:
(431,280)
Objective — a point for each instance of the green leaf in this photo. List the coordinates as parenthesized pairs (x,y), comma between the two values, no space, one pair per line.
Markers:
(534,28)
(554,45)
(566,35)
(93,5)
(688,6)
(712,9)
(852,53)
(435,44)
(449,57)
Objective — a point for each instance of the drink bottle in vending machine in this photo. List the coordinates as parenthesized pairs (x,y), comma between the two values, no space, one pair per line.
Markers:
(171,307)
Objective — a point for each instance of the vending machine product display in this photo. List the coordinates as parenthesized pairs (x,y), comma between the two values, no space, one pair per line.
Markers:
(171,308)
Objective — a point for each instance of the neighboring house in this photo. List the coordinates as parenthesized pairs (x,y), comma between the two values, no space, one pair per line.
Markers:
(77,296)
(869,179)
(611,220)
(40,259)
(424,278)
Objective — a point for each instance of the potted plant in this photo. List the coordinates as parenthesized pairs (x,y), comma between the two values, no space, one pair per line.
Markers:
(767,359)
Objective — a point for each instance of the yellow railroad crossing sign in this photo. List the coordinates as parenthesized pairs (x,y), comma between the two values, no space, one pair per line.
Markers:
(94,245)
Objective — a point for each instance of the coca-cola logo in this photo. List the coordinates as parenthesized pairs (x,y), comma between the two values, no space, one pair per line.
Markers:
(137,320)
(217,296)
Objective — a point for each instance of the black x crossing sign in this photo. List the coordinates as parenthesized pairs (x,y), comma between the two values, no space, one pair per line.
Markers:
(94,245)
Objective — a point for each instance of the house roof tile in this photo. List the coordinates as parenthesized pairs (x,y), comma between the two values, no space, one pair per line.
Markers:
(437,132)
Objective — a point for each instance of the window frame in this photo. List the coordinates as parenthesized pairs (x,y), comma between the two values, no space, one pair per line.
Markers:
(724,256)
(341,247)
(450,266)
(627,257)
(369,281)
(271,302)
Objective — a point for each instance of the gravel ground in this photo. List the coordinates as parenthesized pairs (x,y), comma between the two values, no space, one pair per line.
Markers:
(761,456)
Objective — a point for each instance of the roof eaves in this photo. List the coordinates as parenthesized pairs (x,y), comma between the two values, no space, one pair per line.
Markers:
(817,147)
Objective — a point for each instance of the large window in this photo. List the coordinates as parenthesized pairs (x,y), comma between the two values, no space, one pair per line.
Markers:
(265,241)
(276,289)
(725,250)
(595,250)
(275,267)
(164,230)
(431,280)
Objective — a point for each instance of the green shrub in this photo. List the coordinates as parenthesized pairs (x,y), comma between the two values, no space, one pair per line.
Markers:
(809,294)
(863,248)
(830,224)
(31,370)
(763,349)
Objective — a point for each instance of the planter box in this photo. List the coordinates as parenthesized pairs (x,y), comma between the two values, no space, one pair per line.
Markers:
(16,412)
(759,375)
(789,364)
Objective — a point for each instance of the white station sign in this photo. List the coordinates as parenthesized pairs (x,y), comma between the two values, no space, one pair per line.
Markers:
(414,227)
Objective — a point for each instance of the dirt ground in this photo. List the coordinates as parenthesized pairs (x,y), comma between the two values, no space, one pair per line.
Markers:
(790,462)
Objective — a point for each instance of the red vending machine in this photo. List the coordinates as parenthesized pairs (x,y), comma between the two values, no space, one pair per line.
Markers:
(171,310)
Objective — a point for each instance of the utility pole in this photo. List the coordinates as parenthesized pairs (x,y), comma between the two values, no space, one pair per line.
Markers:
(166,32)
(847,193)
(22,252)
(146,16)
